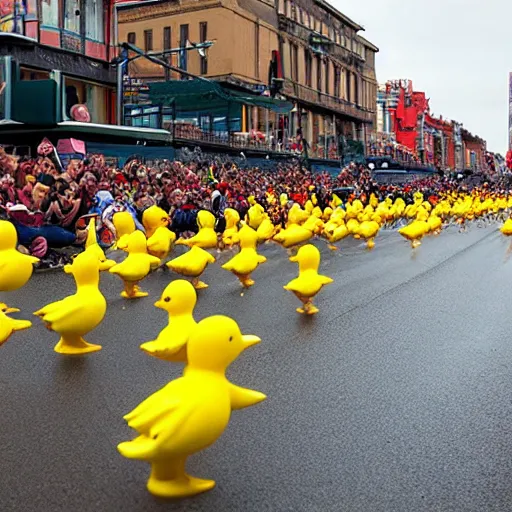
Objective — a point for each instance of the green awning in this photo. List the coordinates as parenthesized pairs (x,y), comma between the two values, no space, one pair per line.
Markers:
(204,95)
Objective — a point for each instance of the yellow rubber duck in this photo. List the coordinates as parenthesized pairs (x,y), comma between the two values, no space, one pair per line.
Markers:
(338,233)
(125,226)
(297,215)
(255,216)
(160,243)
(190,413)
(192,264)
(206,238)
(91,245)
(77,315)
(328,211)
(506,229)
(314,224)
(230,235)
(135,267)
(9,325)
(248,259)
(368,230)
(435,224)
(15,267)
(153,218)
(179,300)
(353,226)
(309,282)
(265,230)
(414,232)
(293,235)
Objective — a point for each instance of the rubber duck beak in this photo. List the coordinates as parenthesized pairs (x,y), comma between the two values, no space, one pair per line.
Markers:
(159,304)
(67,269)
(294,259)
(250,340)
(11,310)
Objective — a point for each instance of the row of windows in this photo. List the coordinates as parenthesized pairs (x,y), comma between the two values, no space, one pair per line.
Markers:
(340,37)
(183,43)
(356,90)
(72,13)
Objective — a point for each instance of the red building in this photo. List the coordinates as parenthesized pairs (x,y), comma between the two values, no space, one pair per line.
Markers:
(406,117)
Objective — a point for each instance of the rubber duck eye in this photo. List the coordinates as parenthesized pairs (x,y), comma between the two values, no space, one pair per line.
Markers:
(231,338)
(167,299)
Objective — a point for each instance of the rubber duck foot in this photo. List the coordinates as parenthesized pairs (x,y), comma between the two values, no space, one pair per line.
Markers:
(312,310)
(199,285)
(332,247)
(134,295)
(247,283)
(179,488)
(76,348)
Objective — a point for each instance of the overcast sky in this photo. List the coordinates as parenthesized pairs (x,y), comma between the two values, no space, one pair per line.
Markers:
(458,51)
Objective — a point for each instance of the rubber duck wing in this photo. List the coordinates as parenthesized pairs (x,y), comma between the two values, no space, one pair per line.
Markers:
(48,308)
(161,414)
(153,260)
(20,325)
(243,397)
(169,348)
(325,279)
(68,307)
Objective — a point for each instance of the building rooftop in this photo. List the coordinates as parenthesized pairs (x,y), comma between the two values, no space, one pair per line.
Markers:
(345,19)
(367,43)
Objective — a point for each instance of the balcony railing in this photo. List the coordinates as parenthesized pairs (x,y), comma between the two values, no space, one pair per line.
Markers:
(247,141)
(309,95)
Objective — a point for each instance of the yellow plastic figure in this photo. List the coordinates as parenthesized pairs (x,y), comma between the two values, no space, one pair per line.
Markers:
(77,315)
(190,413)
(309,282)
(192,264)
(265,230)
(9,325)
(153,218)
(230,235)
(179,300)
(125,226)
(247,260)
(255,216)
(161,242)
(206,238)
(135,267)
(506,229)
(15,268)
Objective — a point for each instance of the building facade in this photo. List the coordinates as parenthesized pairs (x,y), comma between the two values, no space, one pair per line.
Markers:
(68,41)
(404,116)
(305,52)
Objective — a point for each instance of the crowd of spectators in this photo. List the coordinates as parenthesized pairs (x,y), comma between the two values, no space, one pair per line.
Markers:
(49,203)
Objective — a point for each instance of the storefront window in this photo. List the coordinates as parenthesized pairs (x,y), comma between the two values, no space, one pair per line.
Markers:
(72,16)
(91,95)
(94,20)
(96,103)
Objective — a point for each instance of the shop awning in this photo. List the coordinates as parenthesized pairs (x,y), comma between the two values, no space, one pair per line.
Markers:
(203,95)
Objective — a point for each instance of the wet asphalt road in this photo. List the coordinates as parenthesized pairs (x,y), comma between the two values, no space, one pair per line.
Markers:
(395,397)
